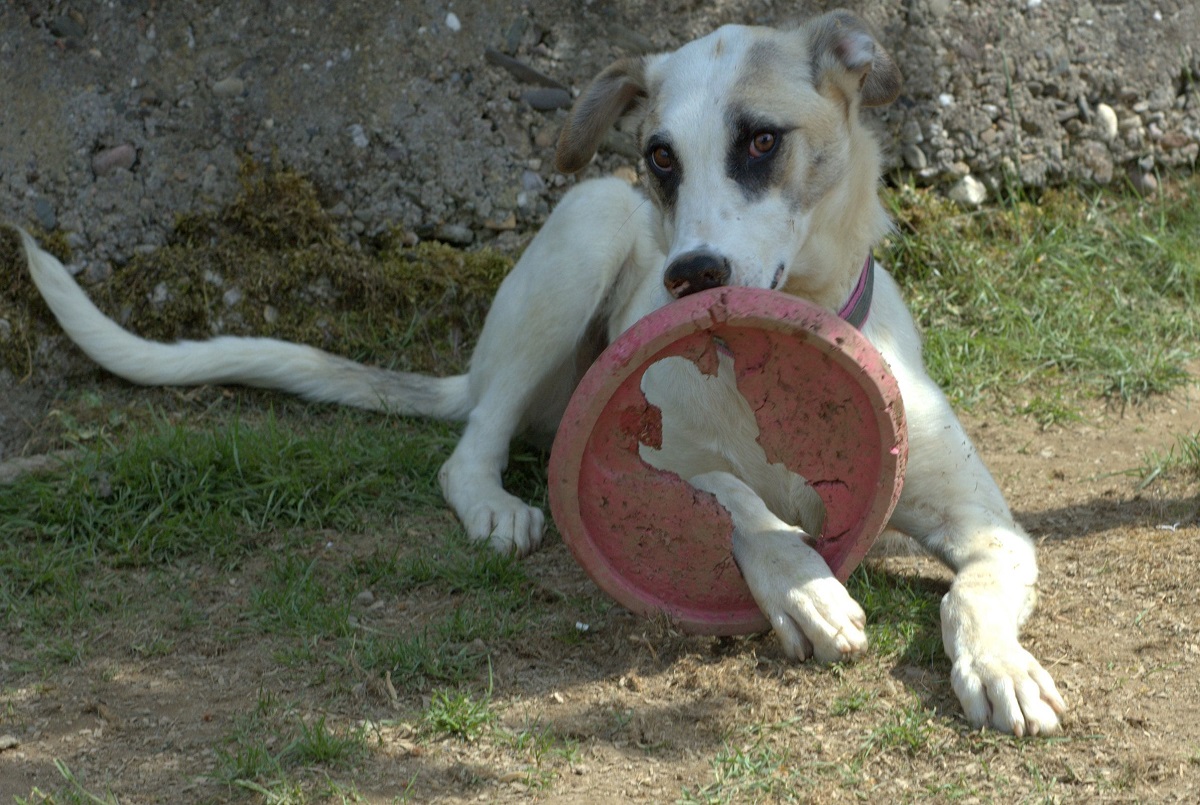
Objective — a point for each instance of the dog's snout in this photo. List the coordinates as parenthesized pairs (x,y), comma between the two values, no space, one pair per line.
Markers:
(696,271)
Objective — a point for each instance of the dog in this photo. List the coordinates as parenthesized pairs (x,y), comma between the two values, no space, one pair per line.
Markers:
(760,172)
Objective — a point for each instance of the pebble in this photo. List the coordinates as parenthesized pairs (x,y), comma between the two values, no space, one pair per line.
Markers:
(110,160)
(1143,182)
(453,22)
(1106,121)
(516,31)
(455,235)
(1095,161)
(358,136)
(968,192)
(548,99)
(914,157)
(43,210)
(531,182)
(229,87)
(67,27)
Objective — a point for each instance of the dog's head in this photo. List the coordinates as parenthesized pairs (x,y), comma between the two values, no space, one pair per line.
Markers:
(754,152)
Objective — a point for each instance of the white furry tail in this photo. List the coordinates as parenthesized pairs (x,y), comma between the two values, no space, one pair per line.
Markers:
(259,362)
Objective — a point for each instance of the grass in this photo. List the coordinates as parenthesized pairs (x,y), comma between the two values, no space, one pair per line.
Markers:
(903,615)
(1040,304)
(252,528)
(753,772)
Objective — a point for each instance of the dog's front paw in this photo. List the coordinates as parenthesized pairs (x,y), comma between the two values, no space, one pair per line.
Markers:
(507,523)
(1008,690)
(818,619)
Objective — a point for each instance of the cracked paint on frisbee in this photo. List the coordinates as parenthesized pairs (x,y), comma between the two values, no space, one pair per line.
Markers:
(827,408)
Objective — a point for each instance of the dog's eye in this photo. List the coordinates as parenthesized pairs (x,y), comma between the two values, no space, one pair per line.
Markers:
(662,160)
(762,143)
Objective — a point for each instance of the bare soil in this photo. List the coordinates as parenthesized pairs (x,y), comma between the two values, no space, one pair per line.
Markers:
(152,700)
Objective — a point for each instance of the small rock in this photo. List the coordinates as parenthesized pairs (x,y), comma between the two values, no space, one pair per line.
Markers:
(453,22)
(516,31)
(1095,161)
(159,295)
(358,136)
(968,192)
(68,27)
(232,297)
(506,224)
(229,87)
(1174,139)
(531,182)
(1106,121)
(455,235)
(110,160)
(365,598)
(914,157)
(548,99)
(97,271)
(546,137)
(43,210)
(8,742)
(1143,182)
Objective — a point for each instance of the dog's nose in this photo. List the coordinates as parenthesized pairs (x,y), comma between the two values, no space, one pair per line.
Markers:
(696,271)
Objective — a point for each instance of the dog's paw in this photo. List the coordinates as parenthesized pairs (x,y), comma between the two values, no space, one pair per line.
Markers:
(1008,690)
(817,618)
(507,523)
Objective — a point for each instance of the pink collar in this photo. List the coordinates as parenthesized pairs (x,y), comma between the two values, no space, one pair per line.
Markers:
(858,306)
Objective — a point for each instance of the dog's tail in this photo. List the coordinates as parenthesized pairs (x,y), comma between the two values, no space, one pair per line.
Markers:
(259,362)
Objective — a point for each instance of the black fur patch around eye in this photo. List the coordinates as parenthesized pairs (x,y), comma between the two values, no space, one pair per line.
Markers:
(753,174)
(664,185)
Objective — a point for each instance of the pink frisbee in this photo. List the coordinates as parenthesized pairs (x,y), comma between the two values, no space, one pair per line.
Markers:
(827,408)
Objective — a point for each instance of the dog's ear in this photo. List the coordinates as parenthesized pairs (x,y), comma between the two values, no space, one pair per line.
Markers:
(847,59)
(613,93)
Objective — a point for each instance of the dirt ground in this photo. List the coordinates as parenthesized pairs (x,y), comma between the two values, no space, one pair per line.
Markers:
(650,713)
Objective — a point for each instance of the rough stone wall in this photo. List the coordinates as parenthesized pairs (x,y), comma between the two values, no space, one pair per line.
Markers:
(115,117)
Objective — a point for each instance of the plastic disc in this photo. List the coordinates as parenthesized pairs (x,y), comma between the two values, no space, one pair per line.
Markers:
(827,408)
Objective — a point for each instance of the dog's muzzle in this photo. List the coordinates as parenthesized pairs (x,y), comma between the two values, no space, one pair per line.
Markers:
(696,271)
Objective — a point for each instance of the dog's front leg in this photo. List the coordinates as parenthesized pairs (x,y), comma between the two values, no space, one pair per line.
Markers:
(591,250)
(953,507)
(999,683)
(808,608)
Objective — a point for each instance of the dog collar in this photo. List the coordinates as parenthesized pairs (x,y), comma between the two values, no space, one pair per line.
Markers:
(858,306)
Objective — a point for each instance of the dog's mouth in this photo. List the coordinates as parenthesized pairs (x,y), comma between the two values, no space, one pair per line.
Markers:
(778,278)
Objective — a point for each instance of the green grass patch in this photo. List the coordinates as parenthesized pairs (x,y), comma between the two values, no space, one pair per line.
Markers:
(455,714)
(755,772)
(903,614)
(1182,458)
(1077,293)
(908,731)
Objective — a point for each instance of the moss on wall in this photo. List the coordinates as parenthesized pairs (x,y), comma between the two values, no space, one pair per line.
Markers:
(272,263)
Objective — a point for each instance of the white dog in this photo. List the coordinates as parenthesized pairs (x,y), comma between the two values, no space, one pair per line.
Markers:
(760,174)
